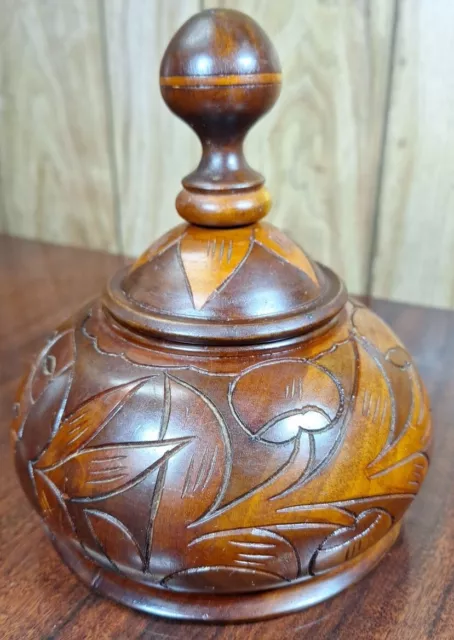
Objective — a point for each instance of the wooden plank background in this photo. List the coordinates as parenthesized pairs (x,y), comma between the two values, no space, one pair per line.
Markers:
(356,151)
(414,254)
(55,171)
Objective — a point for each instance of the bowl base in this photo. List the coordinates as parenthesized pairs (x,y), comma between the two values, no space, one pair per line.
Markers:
(224,608)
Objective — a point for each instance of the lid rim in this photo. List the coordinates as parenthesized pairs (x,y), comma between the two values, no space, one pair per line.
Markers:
(189,330)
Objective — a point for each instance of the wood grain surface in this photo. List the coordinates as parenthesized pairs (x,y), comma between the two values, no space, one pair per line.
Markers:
(408,596)
(415,243)
(152,149)
(54,164)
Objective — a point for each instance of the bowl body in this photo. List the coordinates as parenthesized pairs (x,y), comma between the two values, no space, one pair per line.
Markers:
(221,483)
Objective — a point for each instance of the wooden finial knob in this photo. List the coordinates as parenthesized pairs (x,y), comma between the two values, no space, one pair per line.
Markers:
(220,74)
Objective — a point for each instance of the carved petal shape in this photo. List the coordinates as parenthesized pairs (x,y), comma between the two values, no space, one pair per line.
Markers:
(99,472)
(348,542)
(115,540)
(296,395)
(276,241)
(399,357)
(53,507)
(210,259)
(82,426)
(252,549)
(162,244)
(311,419)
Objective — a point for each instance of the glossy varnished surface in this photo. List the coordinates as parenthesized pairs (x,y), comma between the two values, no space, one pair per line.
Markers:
(207,277)
(213,483)
(258,457)
(408,595)
(220,73)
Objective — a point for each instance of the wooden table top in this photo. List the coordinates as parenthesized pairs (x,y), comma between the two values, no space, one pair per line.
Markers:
(409,595)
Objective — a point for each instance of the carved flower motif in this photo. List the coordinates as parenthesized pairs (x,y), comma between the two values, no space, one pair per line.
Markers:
(295,395)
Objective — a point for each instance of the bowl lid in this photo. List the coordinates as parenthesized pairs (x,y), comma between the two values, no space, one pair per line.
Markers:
(240,285)
(225,277)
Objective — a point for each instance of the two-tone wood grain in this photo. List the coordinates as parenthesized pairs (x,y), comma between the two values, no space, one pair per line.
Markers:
(320,147)
(407,597)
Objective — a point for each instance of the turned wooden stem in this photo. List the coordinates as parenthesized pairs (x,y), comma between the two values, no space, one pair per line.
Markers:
(220,74)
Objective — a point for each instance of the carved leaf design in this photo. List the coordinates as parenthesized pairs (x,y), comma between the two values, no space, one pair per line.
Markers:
(396,368)
(77,429)
(277,242)
(197,477)
(115,540)
(54,360)
(44,416)
(405,475)
(253,549)
(203,471)
(209,260)
(348,542)
(401,383)
(99,472)
(52,505)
